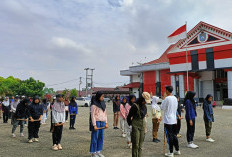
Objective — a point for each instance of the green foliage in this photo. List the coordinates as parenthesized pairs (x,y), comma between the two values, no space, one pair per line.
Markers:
(48,91)
(73,92)
(65,92)
(14,86)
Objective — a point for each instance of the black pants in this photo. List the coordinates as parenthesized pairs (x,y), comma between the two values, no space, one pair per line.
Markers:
(178,126)
(72,120)
(57,134)
(33,129)
(190,131)
(170,131)
(51,127)
(5,114)
(66,115)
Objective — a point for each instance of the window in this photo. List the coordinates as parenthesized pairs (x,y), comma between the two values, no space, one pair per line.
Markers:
(195,63)
(210,58)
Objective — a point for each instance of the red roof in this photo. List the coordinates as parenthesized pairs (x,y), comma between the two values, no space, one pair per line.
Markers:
(132,85)
(163,58)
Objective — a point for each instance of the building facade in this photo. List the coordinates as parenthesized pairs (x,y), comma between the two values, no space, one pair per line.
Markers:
(207,55)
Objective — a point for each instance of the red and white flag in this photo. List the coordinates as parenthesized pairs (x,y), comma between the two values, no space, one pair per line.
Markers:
(178,34)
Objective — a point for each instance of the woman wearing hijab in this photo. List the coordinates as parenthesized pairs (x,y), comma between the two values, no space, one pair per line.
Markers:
(45,110)
(58,120)
(208,116)
(99,123)
(35,116)
(190,108)
(66,102)
(132,99)
(116,110)
(73,111)
(136,119)
(156,118)
(21,115)
(51,106)
(124,111)
(6,109)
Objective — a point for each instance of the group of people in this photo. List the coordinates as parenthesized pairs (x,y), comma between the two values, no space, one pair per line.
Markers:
(130,111)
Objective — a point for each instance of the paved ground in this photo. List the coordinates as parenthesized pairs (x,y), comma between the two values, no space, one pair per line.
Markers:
(76,143)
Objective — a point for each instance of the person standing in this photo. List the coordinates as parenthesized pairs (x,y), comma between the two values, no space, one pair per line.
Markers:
(58,120)
(190,115)
(21,115)
(179,117)
(208,117)
(169,106)
(156,118)
(45,110)
(6,109)
(136,119)
(35,116)
(14,105)
(66,102)
(51,106)
(116,110)
(73,111)
(98,124)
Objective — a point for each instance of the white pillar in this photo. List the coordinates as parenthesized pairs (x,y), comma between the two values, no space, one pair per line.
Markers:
(181,86)
(196,85)
(173,83)
(229,82)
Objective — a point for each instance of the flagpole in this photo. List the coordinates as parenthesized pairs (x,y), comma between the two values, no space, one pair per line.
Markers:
(186,58)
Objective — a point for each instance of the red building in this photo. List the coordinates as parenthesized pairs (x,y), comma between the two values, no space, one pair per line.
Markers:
(209,64)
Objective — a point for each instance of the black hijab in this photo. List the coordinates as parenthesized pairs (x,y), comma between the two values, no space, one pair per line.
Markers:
(130,98)
(96,101)
(73,102)
(207,98)
(143,107)
(36,97)
(190,96)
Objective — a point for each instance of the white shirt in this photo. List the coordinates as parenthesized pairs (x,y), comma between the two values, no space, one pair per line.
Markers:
(58,117)
(169,106)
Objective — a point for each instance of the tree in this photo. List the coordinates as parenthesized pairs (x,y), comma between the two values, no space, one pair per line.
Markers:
(73,92)
(48,91)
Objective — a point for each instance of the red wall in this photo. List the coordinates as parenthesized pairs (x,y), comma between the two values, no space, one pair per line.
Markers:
(165,79)
(149,82)
(191,83)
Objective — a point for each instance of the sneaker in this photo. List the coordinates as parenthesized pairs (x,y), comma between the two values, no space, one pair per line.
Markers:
(60,147)
(196,146)
(123,135)
(191,145)
(13,135)
(130,145)
(36,140)
(100,155)
(177,152)
(178,135)
(30,141)
(66,121)
(70,128)
(156,140)
(169,154)
(210,140)
(21,135)
(55,147)
(116,127)
(94,155)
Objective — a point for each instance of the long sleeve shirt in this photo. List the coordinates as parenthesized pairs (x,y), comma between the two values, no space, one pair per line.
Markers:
(190,112)
(97,114)
(58,117)
(35,110)
(124,111)
(208,111)
(169,106)
(73,110)
(133,114)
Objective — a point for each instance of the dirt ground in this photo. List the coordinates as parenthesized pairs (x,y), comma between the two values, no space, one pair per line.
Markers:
(76,142)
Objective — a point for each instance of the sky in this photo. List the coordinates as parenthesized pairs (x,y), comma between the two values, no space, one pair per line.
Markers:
(55,40)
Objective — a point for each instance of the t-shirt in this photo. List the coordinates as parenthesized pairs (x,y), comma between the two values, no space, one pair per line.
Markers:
(169,106)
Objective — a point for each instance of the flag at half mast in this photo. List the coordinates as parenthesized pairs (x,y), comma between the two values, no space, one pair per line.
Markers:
(178,34)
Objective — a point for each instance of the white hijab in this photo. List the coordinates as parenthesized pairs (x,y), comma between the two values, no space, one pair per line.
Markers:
(154,104)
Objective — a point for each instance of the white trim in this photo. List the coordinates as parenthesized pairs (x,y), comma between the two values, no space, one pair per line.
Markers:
(180,67)
(229,82)
(181,86)
(223,63)
(202,65)
(127,73)
(173,83)
(149,67)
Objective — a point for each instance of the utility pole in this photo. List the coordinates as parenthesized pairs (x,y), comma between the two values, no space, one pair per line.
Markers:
(86,81)
(91,77)
(80,86)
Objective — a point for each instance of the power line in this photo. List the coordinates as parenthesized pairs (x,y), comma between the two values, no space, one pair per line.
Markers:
(62,82)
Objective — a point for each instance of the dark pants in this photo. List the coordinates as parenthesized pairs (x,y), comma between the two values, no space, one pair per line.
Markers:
(66,115)
(51,127)
(208,126)
(33,129)
(178,126)
(72,120)
(57,134)
(5,114)
(190,131)
(170,131)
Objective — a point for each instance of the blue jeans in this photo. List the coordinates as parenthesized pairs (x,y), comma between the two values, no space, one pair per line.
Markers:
(97,138)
